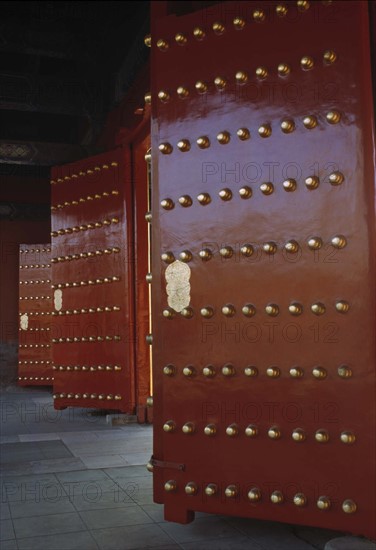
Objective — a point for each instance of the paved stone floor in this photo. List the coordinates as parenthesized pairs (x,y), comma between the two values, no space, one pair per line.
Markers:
(70,480)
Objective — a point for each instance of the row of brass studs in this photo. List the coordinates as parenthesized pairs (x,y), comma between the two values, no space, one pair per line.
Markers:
(34,346)
(97,196)
(265,131)
(82,173)
(239,23)
(274,432)
(83,227)
(34,266)
(247,250)
(33,250)
(34,329)
(84,255)
(36,378)
(255,495)
(267,188)
(86,368)
(86,339)
(35,297)
(249,310)
(104,309)
(241,78)
(251,371)
(101,396)
(35,282)
(35,313)
(34,362)
(98,281)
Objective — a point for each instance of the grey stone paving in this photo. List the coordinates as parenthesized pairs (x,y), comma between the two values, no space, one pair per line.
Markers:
(71,481)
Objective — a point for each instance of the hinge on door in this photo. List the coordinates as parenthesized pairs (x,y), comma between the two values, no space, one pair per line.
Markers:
(164,464)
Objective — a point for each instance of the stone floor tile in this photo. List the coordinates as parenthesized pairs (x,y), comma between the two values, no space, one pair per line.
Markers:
(132,537)
(199,530)
(47,525)
(101,501)
(235,542)
(115,517)
(81,540)
(6,529)
(59,505)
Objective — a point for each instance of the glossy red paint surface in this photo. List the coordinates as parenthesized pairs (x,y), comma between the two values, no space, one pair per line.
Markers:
(328,276)
(35,308)
(93,263)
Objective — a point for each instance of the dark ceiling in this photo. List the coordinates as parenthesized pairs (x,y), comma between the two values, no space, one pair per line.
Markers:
(63,67)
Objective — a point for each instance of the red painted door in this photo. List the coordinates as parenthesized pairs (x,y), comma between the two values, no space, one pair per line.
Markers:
(35,301)
(263,272)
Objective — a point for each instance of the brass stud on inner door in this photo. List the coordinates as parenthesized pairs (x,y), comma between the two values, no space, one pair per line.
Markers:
(182,92)
(199,33)
(150,466)
(184,145)
(265,130)
(312,182)
(220,83)
(207,312)
(274,432)
(344,371)
(318,308)
(336,178)
(185,256)
(211,489)
(323,503)
(292,247)
(225,194)
(187,313)
(169,370)
(267,188)
(147,41)
(180,39)
(322,436)
(276,497)
(349,506)
(254,495)
(241,77)
(203,142)
(168,313)
(295,308)
(232,430)
(272,310)
(218,27)
(238,23)
(283,69)
(333,117)
(191,488)
(314,243)
(167,204)
(339,241)
(342,306)
(247,250)
(310,122)
(252,372)
(243,134)
(251,431)
(223,137)
(303,5)
(269,247)
(189,371)
(348,438)
(208,371)
(185,201)
(287,126)
(231,491)
(165,148)
(259,16)
(296,372)
(228,310)
(273,372)
(330,57)
(162,45)
(169,426)
(249,310)
(204,198)
(170,486)
(307,63)
(163,95)
(226,252)
(210,429)
(188,428)
(205,254)
(289,185)
(261,73)
(228,370)
(167,257)
(298,435)
(201,87)
(300,499)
